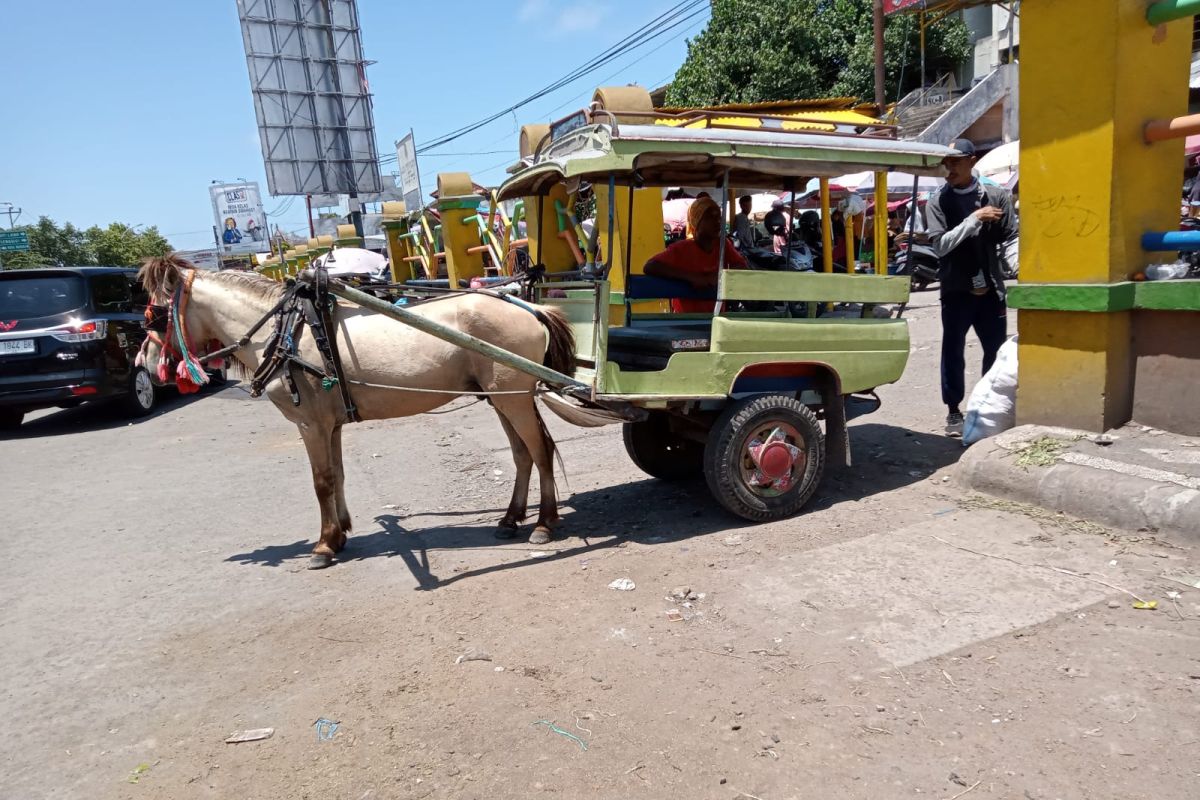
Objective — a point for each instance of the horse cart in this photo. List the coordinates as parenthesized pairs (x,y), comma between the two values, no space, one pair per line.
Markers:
(752,387)
(752,395)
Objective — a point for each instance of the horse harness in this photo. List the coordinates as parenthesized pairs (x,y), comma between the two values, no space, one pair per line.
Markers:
(304,304)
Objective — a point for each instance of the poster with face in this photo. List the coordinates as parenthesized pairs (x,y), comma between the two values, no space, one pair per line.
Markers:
(238,215)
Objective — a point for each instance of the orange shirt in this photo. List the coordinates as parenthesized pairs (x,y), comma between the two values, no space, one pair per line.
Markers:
(687,256)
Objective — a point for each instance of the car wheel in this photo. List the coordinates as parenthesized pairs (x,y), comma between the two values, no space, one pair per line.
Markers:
(142,396)
(659,452)
(765,457)
(10,419)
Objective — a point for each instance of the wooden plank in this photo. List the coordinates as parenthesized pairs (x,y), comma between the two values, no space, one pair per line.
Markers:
(455,336)
(740,284)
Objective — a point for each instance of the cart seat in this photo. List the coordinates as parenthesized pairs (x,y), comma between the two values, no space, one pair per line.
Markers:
(648,345)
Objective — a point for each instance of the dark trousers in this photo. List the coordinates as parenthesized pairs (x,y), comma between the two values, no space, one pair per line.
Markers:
(962,311)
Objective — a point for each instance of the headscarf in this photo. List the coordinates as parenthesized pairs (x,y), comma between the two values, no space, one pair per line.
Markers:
(699,211)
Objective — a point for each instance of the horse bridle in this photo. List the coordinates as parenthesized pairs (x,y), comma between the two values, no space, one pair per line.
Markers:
(165,327)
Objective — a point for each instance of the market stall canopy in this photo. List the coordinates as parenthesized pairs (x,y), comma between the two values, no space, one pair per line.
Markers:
(1001,165)
(658,155)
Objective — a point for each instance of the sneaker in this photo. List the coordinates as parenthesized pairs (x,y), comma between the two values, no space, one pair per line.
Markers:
(954,425)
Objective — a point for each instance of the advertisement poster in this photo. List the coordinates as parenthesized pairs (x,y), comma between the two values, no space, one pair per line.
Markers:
(238,215)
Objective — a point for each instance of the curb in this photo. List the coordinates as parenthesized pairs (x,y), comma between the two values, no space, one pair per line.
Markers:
(1113,499)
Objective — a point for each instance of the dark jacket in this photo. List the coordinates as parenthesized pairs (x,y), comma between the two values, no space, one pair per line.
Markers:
(961,241)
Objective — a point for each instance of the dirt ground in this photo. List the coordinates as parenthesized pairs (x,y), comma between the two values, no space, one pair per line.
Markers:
(899,639)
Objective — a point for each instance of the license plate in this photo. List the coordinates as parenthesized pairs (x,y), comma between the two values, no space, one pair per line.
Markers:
(14,347)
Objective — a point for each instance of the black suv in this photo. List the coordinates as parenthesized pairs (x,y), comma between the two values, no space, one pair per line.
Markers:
(69,335)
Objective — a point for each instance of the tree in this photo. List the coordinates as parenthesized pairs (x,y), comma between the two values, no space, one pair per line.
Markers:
(760,50)
(117,245)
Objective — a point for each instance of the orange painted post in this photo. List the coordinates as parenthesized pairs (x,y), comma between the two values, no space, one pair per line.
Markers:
(1161,130)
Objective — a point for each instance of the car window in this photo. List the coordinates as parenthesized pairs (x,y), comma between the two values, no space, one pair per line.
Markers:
(27,297)
(141,298)
(111,293)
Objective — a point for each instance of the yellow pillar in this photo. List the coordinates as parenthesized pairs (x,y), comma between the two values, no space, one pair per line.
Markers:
(299,259)
(399,245)
(644,233)
(826,228)
(879,237)
(1092,73)
(458,205)
(347,236)
(546,246)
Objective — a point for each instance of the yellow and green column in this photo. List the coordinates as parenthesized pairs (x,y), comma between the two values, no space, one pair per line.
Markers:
(1093,73)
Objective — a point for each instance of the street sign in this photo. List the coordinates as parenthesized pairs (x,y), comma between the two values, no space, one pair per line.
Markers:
(410,176)
(14,241)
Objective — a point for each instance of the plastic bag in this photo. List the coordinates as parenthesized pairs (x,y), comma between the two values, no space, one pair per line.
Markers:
(992,407)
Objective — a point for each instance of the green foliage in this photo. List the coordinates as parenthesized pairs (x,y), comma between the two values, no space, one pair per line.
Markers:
(117,245)
(761,50)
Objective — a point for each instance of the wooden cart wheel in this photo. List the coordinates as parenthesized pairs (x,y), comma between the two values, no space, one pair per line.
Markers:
(659,452)
(765,457)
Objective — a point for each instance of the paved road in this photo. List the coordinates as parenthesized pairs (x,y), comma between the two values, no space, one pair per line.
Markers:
(899,639)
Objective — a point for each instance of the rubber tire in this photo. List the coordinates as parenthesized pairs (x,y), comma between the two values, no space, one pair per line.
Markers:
(722,455)
(133,405)
(10,419)
(660,453)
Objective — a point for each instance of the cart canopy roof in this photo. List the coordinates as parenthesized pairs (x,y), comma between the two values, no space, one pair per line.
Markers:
(662,155)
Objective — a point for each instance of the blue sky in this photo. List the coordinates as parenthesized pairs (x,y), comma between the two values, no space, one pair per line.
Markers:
(126,111)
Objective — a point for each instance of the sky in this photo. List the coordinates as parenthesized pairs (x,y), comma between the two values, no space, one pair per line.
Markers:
(128,110)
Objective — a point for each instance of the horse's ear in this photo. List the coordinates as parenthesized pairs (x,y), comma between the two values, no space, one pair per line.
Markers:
(161,274)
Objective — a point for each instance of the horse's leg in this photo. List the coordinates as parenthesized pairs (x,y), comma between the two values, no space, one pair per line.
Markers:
(343,513)
(522,414)
(318,442)
(515,514)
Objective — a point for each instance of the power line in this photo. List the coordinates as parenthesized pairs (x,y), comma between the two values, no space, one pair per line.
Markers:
(677,15)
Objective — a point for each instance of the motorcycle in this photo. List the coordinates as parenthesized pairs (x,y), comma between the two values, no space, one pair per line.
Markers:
(919,262)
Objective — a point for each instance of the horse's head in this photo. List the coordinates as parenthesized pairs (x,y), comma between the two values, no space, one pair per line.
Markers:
(167,281)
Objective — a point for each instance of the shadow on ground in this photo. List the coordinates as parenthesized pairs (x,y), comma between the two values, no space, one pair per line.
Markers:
(104,414)
(645,511)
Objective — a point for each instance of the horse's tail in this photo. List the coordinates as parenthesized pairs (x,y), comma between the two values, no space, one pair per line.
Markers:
(560,351)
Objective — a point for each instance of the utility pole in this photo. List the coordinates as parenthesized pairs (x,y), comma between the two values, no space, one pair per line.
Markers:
(880,94)
(13,214)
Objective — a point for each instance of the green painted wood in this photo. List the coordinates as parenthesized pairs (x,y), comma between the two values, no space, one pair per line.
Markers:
(468,201)
(1171,10)
(1094,297)
(1168,295)
(738,284)
(1182,295)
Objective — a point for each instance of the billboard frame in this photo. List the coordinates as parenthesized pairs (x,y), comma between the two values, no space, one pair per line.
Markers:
(311,99)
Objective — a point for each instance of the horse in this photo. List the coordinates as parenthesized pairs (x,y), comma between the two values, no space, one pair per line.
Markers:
(391,370)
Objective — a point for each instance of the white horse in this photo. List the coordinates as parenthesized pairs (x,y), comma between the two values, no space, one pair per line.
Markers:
(379,352)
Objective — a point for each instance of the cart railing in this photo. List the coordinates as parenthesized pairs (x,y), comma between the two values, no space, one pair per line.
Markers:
(739,284)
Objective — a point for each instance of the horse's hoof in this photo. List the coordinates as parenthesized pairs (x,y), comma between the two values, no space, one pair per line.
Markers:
(539,536)
(505,532)
(320,561)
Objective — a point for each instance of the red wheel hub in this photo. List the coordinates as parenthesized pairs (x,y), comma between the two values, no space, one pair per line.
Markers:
(774,460)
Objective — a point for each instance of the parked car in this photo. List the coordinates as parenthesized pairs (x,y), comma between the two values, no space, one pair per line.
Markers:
(70,335)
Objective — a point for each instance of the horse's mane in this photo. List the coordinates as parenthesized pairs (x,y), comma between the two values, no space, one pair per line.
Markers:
(253,282)
(161,274)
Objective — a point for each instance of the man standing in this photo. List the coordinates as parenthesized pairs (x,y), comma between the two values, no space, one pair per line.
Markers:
(743,228)
(778,226)
(968,222)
